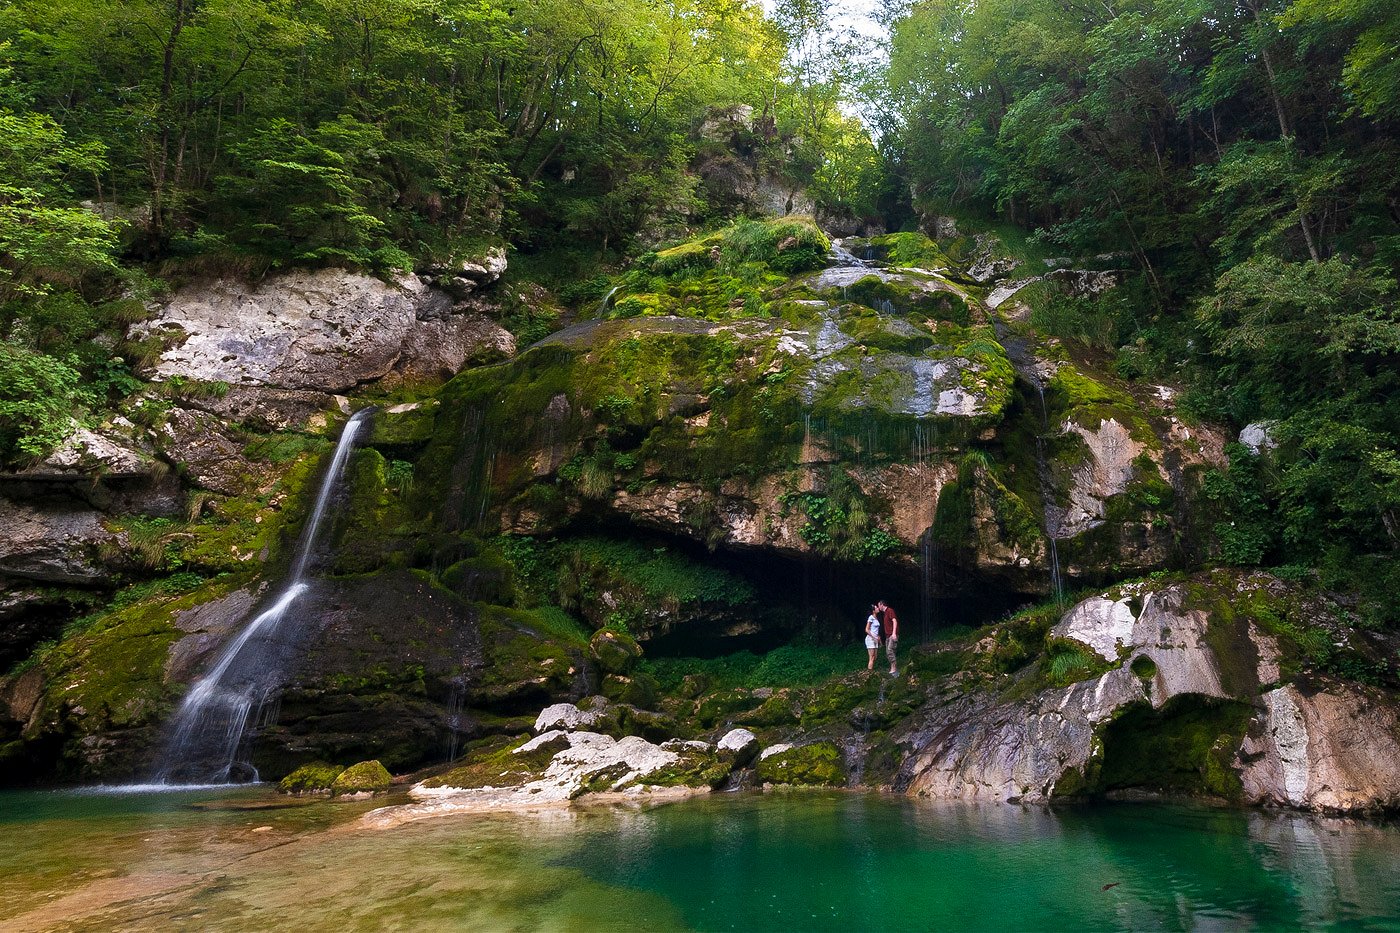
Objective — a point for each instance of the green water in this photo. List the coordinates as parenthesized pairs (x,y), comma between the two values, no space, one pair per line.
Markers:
(247,860)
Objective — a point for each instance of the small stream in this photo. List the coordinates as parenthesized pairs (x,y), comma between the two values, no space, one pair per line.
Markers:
(245,859)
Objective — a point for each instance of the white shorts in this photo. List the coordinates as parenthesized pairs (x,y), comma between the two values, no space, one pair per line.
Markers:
(871,642)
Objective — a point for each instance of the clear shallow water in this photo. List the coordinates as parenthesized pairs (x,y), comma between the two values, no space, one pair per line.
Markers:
(248,860)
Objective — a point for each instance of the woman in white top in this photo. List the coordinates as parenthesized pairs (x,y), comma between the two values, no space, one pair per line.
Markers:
(872,636)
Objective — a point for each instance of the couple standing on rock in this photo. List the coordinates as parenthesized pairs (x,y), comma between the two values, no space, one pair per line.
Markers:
(881,623)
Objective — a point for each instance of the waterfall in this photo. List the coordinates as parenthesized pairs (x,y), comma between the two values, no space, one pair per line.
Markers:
(1057,586)
(841,256)
(206,734)
(607,300)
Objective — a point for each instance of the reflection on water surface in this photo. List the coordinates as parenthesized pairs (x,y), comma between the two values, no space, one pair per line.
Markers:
(246,859)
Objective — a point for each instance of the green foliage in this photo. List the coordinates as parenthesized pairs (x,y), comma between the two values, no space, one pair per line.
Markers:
(264,133)
(1237,161)
(840,522)
(1070,662)
(793,665)
(399,477)
(38,394)
(44,239)
(1247,528)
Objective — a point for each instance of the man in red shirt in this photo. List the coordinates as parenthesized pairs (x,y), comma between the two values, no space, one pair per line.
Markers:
(891,626)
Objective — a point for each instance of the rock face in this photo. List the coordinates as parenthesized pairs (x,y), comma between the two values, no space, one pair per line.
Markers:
(325,330)
(1325,749)
(387,667)
(1190,702)
(862,411)
(53,543)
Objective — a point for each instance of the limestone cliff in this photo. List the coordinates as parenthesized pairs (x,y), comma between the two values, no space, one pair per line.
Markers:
(755,432)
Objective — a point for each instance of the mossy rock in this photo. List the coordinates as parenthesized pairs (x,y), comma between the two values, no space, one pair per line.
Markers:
(488,577)
(530,661)
(777,710)
(105,693)
(373,531)
(621,719)
(365,777)
(403,425)
(819,764)
(616,652)
(497,763)
(694,768)
(314,778)
(837,700)
(721,707)
(640,690)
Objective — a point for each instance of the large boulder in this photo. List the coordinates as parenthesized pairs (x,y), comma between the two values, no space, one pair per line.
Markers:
(361,779)
(324,330)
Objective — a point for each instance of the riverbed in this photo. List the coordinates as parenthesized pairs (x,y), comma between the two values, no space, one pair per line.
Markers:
(248,859)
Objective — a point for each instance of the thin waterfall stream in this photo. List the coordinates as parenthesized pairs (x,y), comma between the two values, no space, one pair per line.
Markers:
(1057,585)
(207,731)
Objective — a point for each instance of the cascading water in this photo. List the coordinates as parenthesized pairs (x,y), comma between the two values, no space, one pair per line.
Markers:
(1057,585)
(207,732)
(607,300)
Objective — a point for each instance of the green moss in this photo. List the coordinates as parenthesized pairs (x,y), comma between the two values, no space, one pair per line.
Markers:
(111,673)
(1144,667)
(644,585)
(601,781)
(496,763)
(362,777)
(313,778)
(1071,394)
(638,690)
(692,769)
(818,764)
(527,660)
(866,700)
(487,577)
(243,534)
(727,274)
(412,424)
(616,652)
(284,447)
(778,710)
(721,707)
(372,532)
(1185,747)
(910,250)
(991,375)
